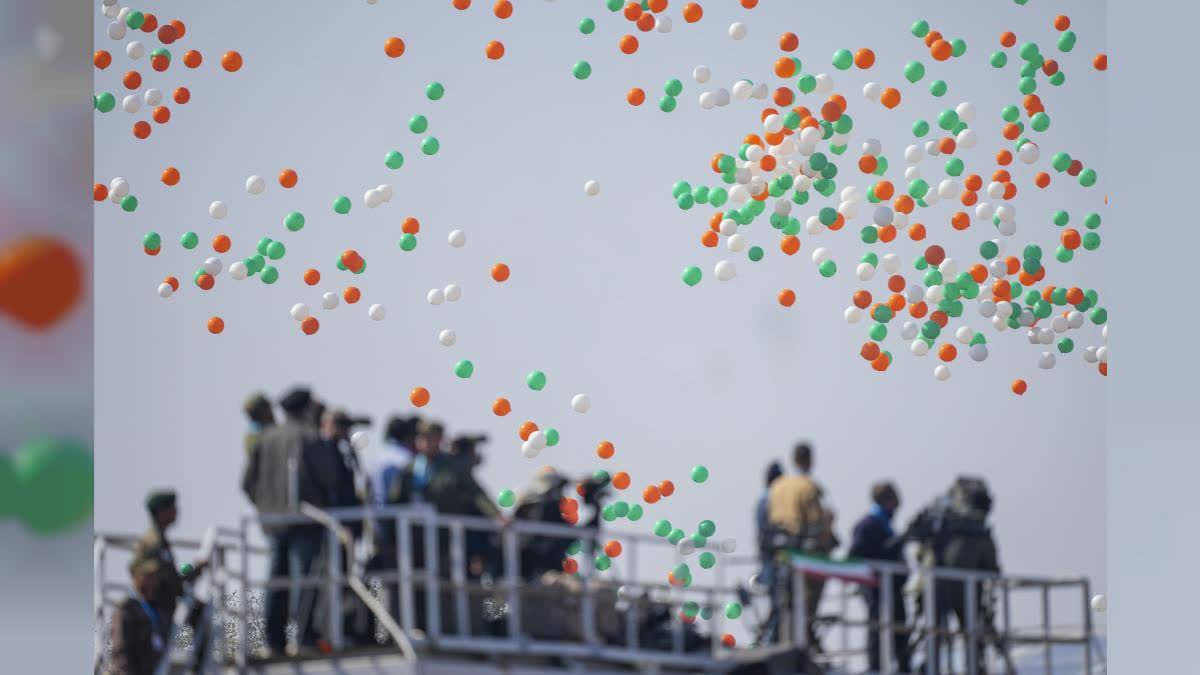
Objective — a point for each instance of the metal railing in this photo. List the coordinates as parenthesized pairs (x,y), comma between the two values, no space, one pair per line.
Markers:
(449,591)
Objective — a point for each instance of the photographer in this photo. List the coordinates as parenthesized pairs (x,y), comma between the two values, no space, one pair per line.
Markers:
(874,539)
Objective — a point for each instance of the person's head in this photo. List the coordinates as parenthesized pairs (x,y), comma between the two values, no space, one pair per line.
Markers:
(297,403)
(884,494)
(315,413)
(258,410)
(162,508)
(145,575)
(429,437)
(401,431)
(774,470)
(802,456)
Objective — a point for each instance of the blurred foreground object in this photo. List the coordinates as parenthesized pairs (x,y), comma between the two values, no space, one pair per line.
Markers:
(41,280)
(47,484)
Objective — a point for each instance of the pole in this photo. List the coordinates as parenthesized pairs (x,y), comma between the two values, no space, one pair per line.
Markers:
(243,650)
(886,630)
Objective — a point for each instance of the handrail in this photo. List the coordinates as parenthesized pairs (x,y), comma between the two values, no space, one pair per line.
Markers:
(356,584)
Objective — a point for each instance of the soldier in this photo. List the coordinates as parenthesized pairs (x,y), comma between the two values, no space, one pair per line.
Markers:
(139,630)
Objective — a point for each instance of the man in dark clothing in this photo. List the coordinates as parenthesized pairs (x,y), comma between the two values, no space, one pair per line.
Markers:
(874,539)
(767,574)
(139,631)
(282,471)
(154,545)
(260,416)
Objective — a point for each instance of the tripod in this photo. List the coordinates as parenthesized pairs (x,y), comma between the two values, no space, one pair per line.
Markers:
(948,599)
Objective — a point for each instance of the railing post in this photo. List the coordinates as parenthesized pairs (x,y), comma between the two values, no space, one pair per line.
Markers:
(99,554)
(885,618)
(217,577)
(1087,627)
(972,626)
(799,608)
(458,576)
(634,608)
(243,650)
(433,584)
(404,563)
(931,621)
(587,605)
(334,586)
(512,579)
(1046,628)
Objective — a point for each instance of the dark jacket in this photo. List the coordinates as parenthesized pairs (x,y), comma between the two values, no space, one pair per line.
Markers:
(138,641)
(283,469)
(872,540)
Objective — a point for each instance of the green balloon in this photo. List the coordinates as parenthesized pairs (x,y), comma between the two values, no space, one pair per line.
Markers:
(1091,221)
(691,275)
(614,5)
(294,221)
(129,203)
(341,205)
(464,369)
(609,513)
(920,128)
(733,610)
(807,83)
(408,242)
(276,250)
(666,103)
(920,28)
(954,166)
(999,59)
(1040,121)
(603,562)
(699,540)
(552,437)
(827,268)
(947,119)
(707,560)
(1027,85)
(1091,241)
(1010,113)
(430,145)
(536,380)
(418,124)
(938,88)
(1061,218)
(256,263)
(393,160)
(620,509)
(135,19)
(1064,254)
(53,484)
(662,527)
(914,71)
(1058,78)
(707,528)
(152,241)
(676,536)
(673,87)
(586,26)
(581,70)
(877,331)
(869,234)
(9,495)
(269,274)
(958,47)
(434,91)
(1060,161)
(699,473)
(843,59)
(104,102)
(506,498)
(263,244)
(1087,178)
(1066,41)
(189,240)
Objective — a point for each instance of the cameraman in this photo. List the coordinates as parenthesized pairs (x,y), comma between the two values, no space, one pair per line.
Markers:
(874,539)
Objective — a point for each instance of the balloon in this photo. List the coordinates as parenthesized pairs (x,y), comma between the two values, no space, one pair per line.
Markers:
(435,296)
(581,403)
(723,270)
(50,483)
(376,312)
(165,290)
(581,70)
(299,311)
(701,74)
(737,30)
(691,275)
(1099,603)
(218,210)
(329,300)
(452,292)
(447,338)
(591,188)
(464,369)
(360,440)
(941,372)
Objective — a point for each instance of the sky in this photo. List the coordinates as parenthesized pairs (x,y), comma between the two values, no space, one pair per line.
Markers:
(718,374)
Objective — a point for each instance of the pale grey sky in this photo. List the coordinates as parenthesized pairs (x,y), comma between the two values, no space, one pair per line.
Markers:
(718,374)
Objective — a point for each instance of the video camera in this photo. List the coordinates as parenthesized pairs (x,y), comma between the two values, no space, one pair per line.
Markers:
(963,510)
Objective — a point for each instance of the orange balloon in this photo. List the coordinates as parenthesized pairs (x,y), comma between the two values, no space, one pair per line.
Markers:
(494,50)
(667,488)
(941,50)
(1019,387)
(410,225)
(174,283)
(351,260)
(692,12)
(646,22)
(1008,38)
(192,59)
(788,42)
(310,325)
(132,79)
(41,280)
(312,277)
(419,396)
(628,44)
(787,297)
(351,294)
(890,98)
(161,114)
(502,9)
(947,352)
(215,325)
(231,61)
(102,59)
(633,10)
(141,129)
(501,407)
(461,4)
(393,47)
(620,480)
(612,548)
(635,96)
(864,58)
(605,450)
(651,494)
(182,95)
(570,566)
(204,281)
(1100,62)
(99,192)
(221,243)
(527,427)
(288,178)
(500,272)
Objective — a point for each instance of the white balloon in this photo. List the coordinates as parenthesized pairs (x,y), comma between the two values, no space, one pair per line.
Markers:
(300,311)
(722,97)
(913,154)
(1045,336)
(738,194)
(978,352)
(1099,603)
(538,439)
(1074,319)
(1029,153)
(376,312)
(707,100)
(932,149)
(728,227)
(984,210)
(360,440)
(1046,360)
(967,138)
(759,91)
(384,191)
(742,89)
(686,546)
(457,238)
(914,292)
(964,334)
(820,255)
(1006,212)
(255,185)
(329,300)
(591,188)
(131,103)
(218,210)
(919,347)
(239,271)
(728,545)
(1027,318)
(995,190)
(447,338)
(849,193)
(116,30)
(372,198)
(701,74)
(999,324)
(783,206)
(966,111)
(872,90)
(663,23)
(908,331)
(773,123)
(1004,309)
(935,294)
(110,9)
(948,268)
(1104,331)
(1007,228)
(1089,354)
(1059,324)
(736,243)
(737,30)
(581,403)
(852,314)
(987,308)
(212,265)
(942,372)
(891,263)
(865,271)
(1032,336)
(882,216)
(998,269)
(948,188)
(118,188)
(724,270)
(452,292)
(135,50)
(1102,353)
(849,211)
(123,13)
(912,173)
(824,84)
(435,296)
(153,96)
(165,290)
(529,450)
